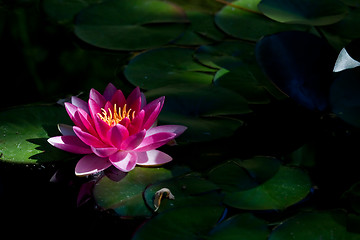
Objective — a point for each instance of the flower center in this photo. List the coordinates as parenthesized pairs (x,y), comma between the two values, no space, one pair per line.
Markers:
(113,117)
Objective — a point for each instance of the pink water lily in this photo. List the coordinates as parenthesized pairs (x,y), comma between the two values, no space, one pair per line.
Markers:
(113,130)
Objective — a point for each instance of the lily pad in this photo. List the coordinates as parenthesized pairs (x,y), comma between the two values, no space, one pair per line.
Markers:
(130,25)
(316,13)
(126,196)
(188,190)
(260,184)
(300,64)
(166,66)
(24,131)
(237,174)
(181,223)
(202,29)
(345,27)
(316,225)
(241,19)
(241,226)
(206,110)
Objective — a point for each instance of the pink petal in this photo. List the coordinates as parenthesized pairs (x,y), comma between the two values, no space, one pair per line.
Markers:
(90,164)
(70,144)
(88,123)
(97,97)
(108,106)
(124,161)
(94,108)
(87,138)
(154,141)
(118,99)
(71,109)
(133,141)
(152,111)
(134,100)
(125,122)
(151,118)
(80,104)
(136,123)
(104,152)
(66,130)
(109,91)
(117,135)
(152,158)
(177,129)
(102,129)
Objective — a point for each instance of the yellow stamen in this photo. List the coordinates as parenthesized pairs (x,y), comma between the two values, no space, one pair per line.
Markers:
(113,117)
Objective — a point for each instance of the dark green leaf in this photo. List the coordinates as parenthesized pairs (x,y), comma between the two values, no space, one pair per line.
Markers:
(241,226)
(126,196)
(181,223)
(316,225)
(166,66)
(130,25)
(189,190)
(260,183)
(249,25)
(205,110)
(320,12)
(24,131)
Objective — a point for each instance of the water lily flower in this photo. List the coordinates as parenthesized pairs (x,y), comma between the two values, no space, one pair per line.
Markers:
(115,131)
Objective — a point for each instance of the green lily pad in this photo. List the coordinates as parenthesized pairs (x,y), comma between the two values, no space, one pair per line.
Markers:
(345,27)
(241,226)
(202,29)
(24,131)
(260,184)
(188,190)
(247,22)
(130,25)
(316,13)
(165,66)
(181,223)
(206,110)
(126,196)
(227,54)
(239,174)
(316,225)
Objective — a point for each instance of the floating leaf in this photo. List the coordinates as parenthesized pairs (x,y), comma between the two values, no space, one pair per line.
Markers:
(202,29)
(260,184)
(130,24)
(181,223)
(238,174)
(205,110)
(316,225)
(316,13)
(126,196)
(345,96)
(24,131)
(165,66)
(345,28)
(241,226)
(189,190)
(247,22)
(300,64)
